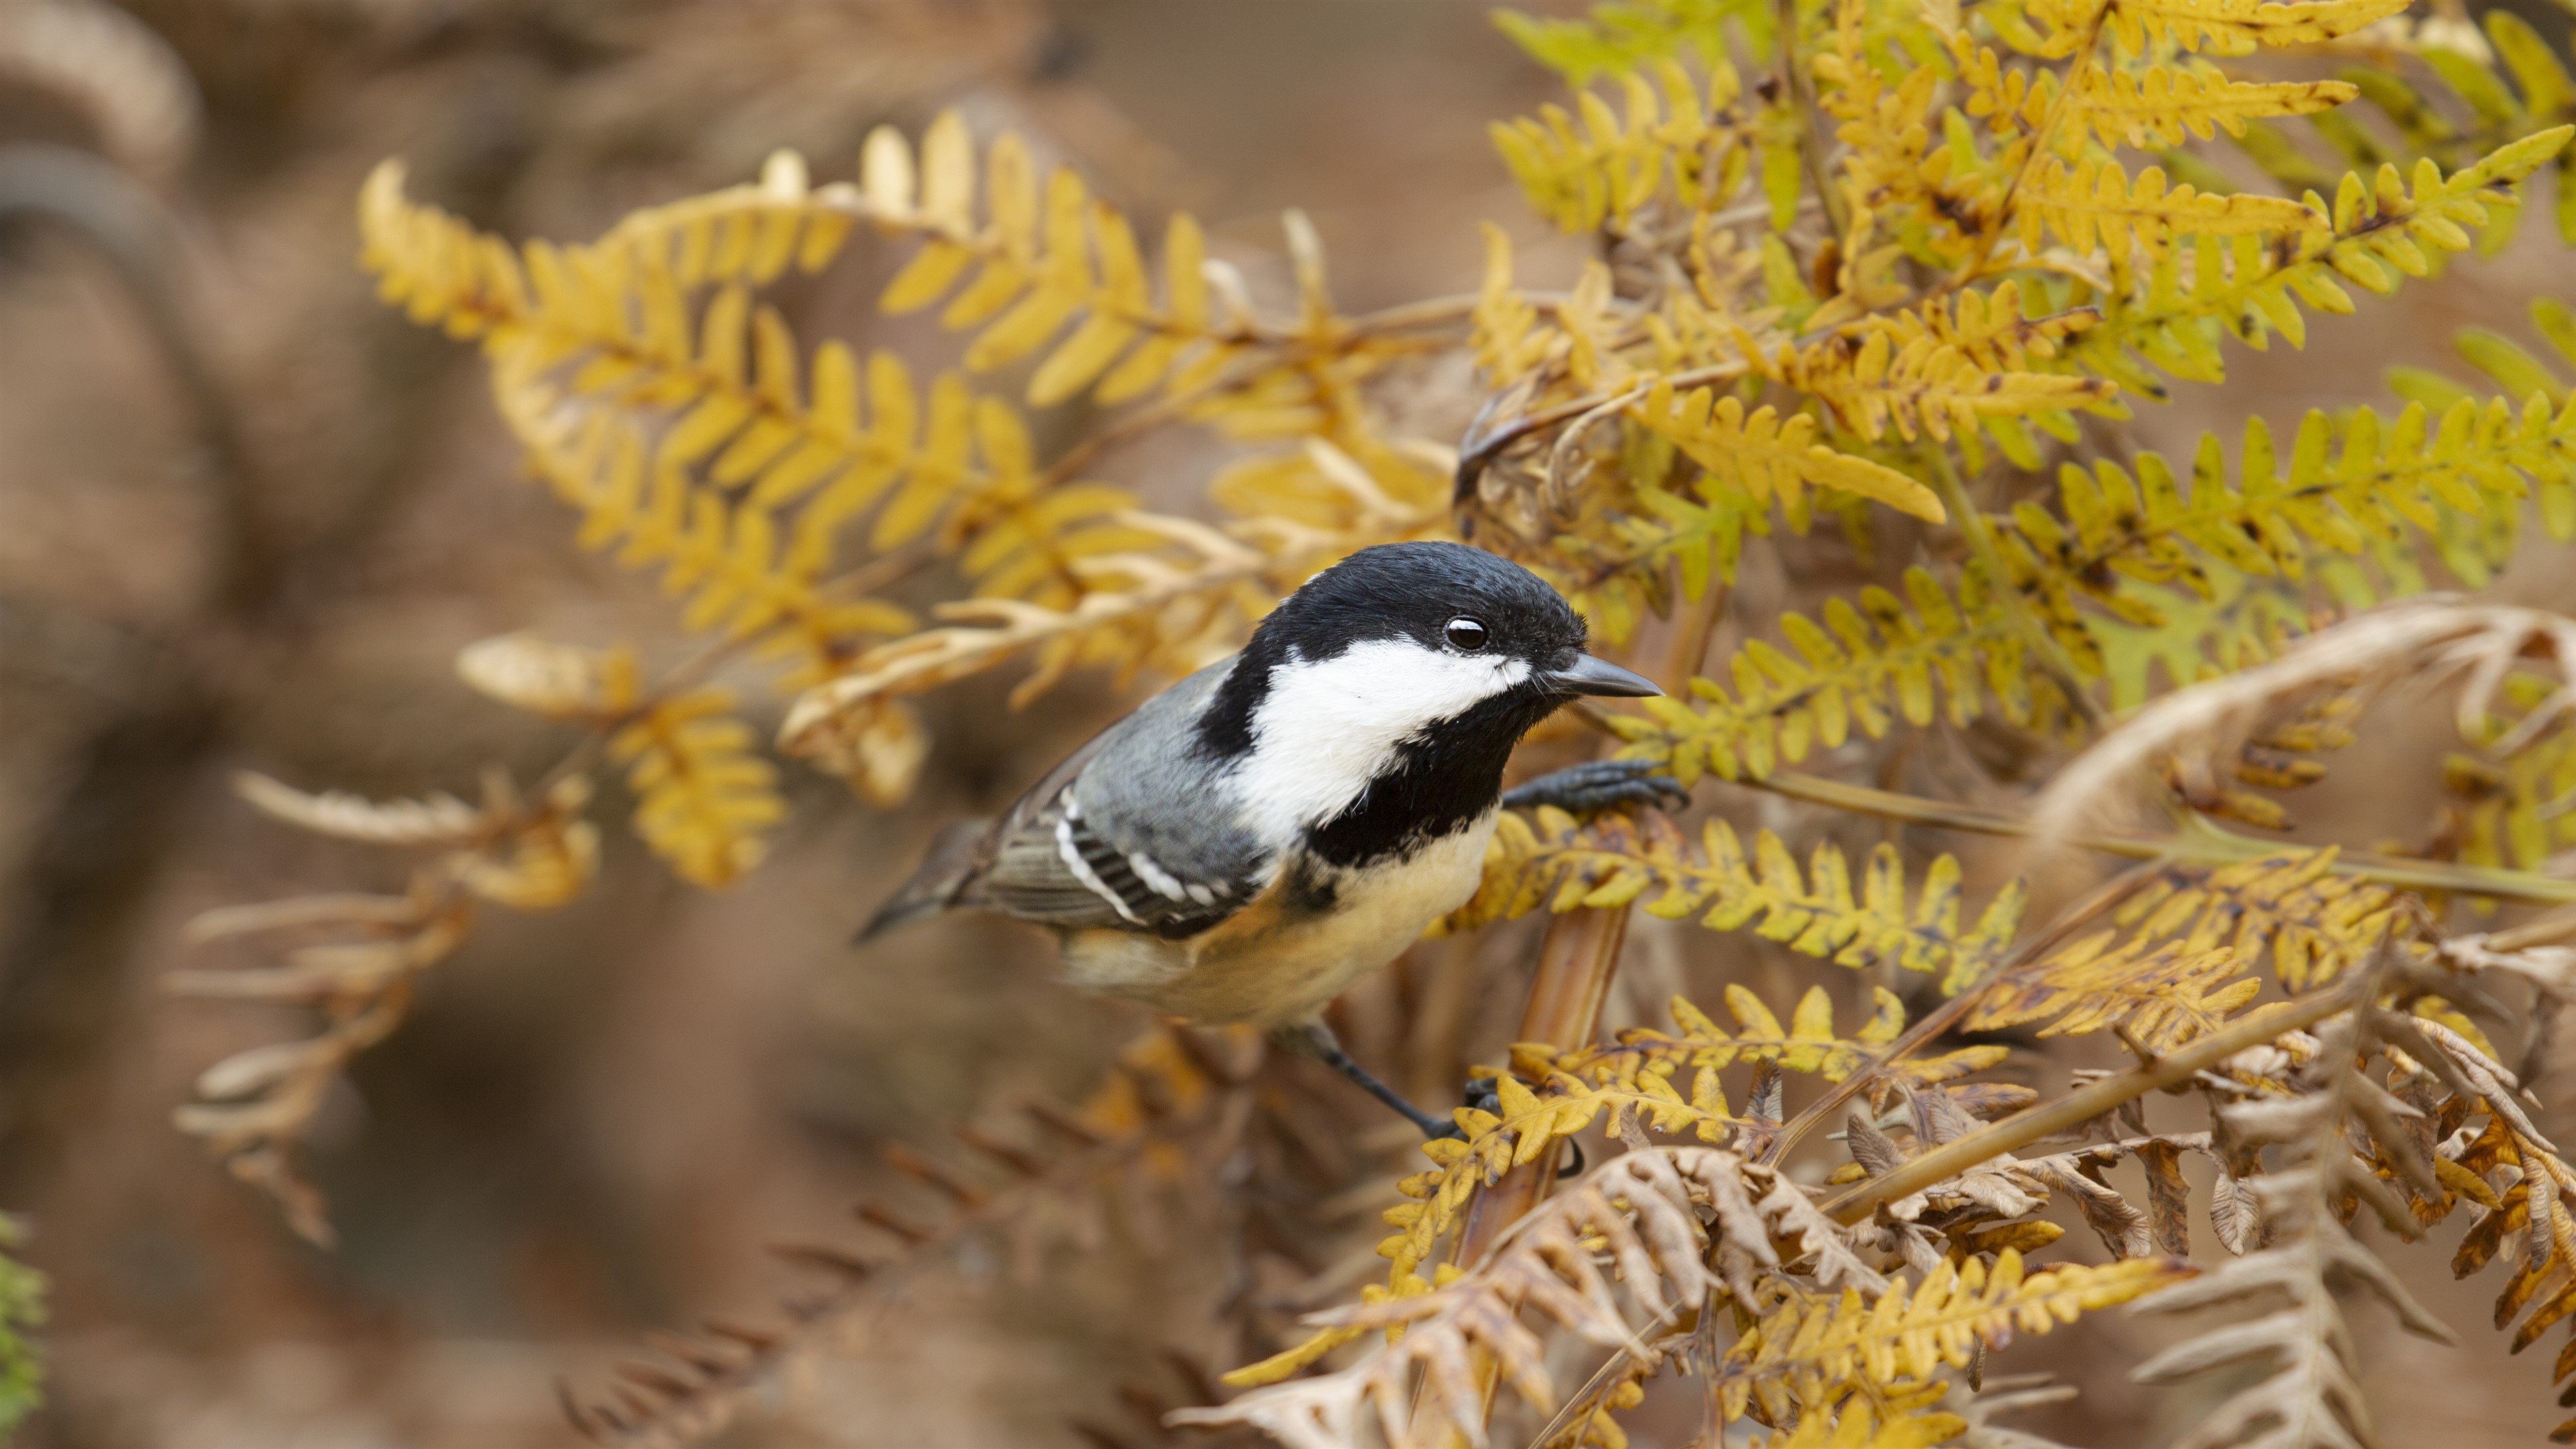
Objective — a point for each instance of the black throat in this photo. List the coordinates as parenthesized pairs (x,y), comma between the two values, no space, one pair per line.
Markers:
(1438,782)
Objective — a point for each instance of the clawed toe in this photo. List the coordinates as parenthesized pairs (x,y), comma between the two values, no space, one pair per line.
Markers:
(1601,785)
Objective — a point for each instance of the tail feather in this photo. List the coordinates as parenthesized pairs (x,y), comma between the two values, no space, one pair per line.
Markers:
(951,865)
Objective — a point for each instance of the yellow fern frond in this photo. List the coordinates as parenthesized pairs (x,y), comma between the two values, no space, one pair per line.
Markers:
(1857,1424)
(725,554)
(1768,456)
(1581,175)
(2161,106)
(1509,341)
(2095,203)
(2172,314)
(2344,489)
(1866,666)
(2221,27)
(702,797)
(1043,257)
(2163,994)
(1820,1345)
(2315,924)
(1920,382)
(746,234)
(1807,1044)
(1554,861)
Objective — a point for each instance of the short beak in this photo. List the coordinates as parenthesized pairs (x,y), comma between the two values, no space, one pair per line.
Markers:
(1599,676)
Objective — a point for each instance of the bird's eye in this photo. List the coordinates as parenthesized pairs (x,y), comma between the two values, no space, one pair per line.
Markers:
(1465,635)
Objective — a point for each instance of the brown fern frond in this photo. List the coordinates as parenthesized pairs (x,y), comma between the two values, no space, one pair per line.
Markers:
(1644,1205)
(1168,1111)
(2481,642)
(135,92)
(2308,1392)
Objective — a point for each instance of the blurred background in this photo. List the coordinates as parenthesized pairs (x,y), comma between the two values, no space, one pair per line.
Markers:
(248,515)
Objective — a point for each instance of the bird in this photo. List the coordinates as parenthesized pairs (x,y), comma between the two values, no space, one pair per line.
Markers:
(1249,843)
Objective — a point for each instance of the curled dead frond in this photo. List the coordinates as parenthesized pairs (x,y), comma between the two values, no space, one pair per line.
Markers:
(121,76)
(2430,636)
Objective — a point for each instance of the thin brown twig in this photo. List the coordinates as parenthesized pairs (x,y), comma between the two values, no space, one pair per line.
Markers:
(2047,1119)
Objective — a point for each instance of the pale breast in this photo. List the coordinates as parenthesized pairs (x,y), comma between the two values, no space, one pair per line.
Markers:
(1279,960)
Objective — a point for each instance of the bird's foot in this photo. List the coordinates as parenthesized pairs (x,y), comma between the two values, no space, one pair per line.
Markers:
(1600,785)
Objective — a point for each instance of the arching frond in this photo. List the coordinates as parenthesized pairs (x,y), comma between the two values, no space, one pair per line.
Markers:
(2172,312)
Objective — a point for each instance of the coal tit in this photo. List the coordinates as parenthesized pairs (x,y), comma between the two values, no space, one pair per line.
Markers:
(1250,842)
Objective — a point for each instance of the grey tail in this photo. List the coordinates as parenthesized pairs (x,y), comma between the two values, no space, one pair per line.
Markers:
(950,867)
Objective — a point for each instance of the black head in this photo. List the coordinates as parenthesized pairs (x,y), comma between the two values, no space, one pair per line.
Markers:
(1443,596)
(1453,603)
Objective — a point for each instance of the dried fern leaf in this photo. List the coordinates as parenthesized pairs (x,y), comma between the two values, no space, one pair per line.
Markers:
(558,681)
(1642,1206)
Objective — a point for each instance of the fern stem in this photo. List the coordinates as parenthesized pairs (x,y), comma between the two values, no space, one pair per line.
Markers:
(2199,843)
(1575,964)
(2085,1103)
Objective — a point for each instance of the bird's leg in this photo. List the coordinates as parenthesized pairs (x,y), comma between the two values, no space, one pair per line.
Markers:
(1316,1040)
(1600,785)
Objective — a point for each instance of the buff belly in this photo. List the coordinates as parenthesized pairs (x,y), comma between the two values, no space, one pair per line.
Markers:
(1279,959)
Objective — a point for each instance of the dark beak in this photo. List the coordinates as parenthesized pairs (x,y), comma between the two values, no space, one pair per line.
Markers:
(1588,675)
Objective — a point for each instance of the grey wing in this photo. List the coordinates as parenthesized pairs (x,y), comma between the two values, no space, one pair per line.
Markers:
(1121,836)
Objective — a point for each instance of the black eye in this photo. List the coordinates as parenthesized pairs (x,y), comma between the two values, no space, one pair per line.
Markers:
(1465,635)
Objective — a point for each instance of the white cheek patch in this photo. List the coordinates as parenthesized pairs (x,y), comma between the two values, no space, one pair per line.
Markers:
(1327,728)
